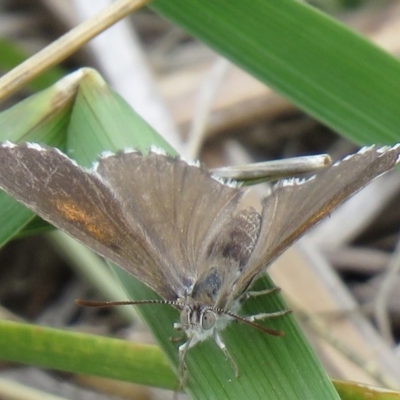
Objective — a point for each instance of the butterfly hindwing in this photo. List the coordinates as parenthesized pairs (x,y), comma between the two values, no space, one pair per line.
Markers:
(295,206)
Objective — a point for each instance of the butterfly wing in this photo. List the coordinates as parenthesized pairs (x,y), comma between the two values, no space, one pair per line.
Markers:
(179,206)
(84,204)
(295,206)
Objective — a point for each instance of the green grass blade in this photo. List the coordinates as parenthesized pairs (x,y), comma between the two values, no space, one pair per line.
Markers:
(111,358)
(102,120)
(12,55)
(324,68)
(41,118)
(277,367)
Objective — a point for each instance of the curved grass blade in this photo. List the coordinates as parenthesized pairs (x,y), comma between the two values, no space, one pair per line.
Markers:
(317,63)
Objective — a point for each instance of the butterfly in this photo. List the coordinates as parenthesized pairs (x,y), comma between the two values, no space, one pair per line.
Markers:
(178,228)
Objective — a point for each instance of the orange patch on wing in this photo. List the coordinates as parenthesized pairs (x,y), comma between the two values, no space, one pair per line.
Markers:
(90,223)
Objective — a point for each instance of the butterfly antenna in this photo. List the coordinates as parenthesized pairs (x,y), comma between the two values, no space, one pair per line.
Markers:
(88,303)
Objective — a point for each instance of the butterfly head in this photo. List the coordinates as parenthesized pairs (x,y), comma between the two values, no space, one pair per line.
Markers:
(198,321)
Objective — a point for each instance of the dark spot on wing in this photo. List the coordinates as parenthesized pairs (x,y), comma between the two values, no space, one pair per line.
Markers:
(237,247)
(236,242)
(114,247)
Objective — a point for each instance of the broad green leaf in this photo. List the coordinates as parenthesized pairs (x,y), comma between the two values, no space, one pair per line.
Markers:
(269,366)
(328,71)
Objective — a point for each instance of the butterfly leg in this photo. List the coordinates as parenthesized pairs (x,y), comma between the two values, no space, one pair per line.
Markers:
(262,316)
(222,346)
(182,365)
(257,293)
(275,314)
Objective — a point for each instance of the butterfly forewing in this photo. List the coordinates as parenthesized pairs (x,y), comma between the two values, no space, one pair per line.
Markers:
(295,206)
(179,207)
(80,203)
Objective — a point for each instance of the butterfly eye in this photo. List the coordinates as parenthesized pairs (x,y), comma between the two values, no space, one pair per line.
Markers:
(208,320)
